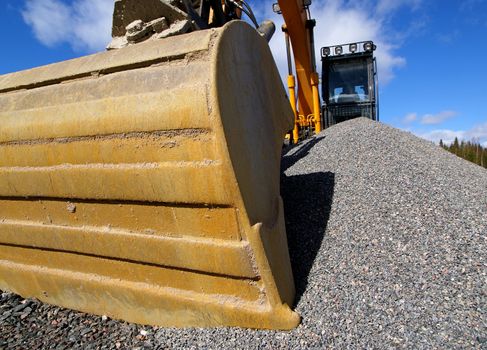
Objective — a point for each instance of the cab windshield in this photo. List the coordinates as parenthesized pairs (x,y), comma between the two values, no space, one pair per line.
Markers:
(348,82)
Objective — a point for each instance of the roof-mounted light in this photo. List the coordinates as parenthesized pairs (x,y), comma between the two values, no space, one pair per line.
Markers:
(276,8)
(325,51)
(369,46)
(354,49)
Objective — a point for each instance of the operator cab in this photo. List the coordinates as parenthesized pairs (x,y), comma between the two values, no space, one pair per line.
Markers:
(349,82)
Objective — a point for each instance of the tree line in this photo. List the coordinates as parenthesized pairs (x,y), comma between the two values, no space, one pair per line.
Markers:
(469,150)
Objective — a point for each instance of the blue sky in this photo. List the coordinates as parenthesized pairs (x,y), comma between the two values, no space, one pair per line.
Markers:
(432,54)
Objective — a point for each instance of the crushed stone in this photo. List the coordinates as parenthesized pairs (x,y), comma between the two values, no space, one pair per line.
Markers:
(387,236)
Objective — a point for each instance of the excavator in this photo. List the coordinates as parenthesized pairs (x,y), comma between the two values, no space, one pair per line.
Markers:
(142,183)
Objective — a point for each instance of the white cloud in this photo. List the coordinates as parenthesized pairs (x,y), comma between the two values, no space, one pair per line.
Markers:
(86,26)
(340,21)
(478,133)
(443,134)
(429,119)
(434,119)
(49,20)
(83,24)
(409,118)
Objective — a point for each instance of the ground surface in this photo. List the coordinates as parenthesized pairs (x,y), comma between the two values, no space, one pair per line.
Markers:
(387,235)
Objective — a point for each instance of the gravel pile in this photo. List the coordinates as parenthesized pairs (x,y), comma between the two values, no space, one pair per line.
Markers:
(387,234)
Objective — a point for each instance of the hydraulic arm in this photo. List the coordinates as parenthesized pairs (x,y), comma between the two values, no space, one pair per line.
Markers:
(298,29)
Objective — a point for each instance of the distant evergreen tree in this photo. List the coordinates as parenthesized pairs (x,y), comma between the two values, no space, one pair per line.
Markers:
(455,147)
(469,150)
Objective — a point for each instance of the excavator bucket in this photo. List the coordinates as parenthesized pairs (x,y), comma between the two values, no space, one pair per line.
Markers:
(143,183)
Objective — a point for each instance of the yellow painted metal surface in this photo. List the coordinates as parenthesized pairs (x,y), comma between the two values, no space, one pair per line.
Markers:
(291,84)
(143,183)
(297,27)
(315,81)
(295,17)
